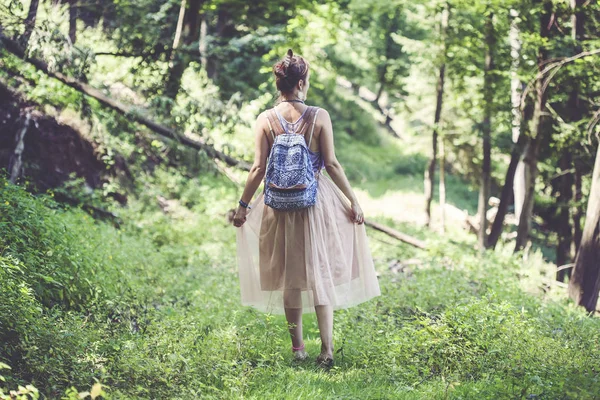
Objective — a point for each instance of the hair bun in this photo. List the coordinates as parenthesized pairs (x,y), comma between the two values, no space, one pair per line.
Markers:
(280,70)
(288,59)
(289,71)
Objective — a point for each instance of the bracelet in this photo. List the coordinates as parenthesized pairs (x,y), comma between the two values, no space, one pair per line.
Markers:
(298,348)
(244,204)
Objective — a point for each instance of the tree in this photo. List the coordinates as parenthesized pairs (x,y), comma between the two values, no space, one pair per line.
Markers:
(584,284)
(30,22)
(537,127)
(486,128)
(186,34)
(430,170)
(565,183)
(73,21)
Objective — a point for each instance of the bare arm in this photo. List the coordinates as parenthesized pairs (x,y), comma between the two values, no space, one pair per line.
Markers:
(333,166)
(257,171)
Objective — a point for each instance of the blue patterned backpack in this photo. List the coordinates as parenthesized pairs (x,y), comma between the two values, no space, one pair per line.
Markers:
(290,182)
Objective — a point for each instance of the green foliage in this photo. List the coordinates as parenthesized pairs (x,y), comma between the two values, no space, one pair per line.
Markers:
(455,324)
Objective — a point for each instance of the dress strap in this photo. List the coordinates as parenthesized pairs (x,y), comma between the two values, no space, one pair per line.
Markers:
(312,129)
(270,128)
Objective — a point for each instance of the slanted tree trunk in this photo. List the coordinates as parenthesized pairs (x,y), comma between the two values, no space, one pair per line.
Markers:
(538,130)
(488,95)
(430,170)
(507,190)
(186,33)
(584,284)
(29,23)
(382,82)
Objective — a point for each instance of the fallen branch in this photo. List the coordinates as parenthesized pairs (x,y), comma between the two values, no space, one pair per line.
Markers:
(396,234)
(123,109)
(96,212)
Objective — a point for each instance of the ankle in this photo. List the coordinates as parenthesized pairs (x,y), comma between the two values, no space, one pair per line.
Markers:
(327,350)
(299,348)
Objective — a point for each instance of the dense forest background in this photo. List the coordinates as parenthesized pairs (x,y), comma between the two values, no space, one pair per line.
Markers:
(469,130)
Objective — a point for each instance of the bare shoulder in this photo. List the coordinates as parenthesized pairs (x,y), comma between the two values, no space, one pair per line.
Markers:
(261,120)
(323,117)
(261,116)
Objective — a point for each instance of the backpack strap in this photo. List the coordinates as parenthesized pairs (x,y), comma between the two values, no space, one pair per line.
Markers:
(312,128)
(273,122)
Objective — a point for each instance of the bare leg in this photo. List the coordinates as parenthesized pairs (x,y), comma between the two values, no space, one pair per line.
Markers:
(325,321)
(294,320)
(293,316)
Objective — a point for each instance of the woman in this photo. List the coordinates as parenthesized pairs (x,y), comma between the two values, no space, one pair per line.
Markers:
(317,257)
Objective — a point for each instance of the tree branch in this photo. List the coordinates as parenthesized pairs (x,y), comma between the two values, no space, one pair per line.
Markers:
(123,109)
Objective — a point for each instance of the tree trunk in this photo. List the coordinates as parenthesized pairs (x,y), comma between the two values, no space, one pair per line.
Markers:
(212,62)
(516,88)
(186,33)
(507,190)
(29,23)
(73,21)
(565,235)
(430,170)
(577,19)
(537,129)
(488,95)
(585,279)
(179,27)
(442,185)
(16,160)
(381,83)
(202,46)
(578,211)
(566,181)
(514,181)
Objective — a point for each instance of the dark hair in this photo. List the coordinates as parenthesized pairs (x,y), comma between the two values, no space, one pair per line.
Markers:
(289,71)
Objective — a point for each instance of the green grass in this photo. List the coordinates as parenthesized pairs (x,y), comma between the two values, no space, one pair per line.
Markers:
(165,321)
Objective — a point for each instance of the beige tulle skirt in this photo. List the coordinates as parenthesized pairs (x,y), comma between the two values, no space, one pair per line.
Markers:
(306,258)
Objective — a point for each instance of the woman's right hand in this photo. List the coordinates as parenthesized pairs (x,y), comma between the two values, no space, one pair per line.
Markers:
(240,216)
(357,214)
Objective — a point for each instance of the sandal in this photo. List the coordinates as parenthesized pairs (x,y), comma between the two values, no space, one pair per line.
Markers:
(299,353)
(324,362)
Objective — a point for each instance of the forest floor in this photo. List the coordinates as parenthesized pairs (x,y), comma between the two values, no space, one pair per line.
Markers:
(152,310)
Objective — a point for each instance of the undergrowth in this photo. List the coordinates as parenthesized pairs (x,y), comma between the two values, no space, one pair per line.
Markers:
(151,310)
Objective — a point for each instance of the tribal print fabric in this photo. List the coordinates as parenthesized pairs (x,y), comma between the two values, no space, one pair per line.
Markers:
(290,182)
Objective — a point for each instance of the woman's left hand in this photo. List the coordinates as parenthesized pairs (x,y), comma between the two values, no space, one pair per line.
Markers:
(240,216)
(357,214)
